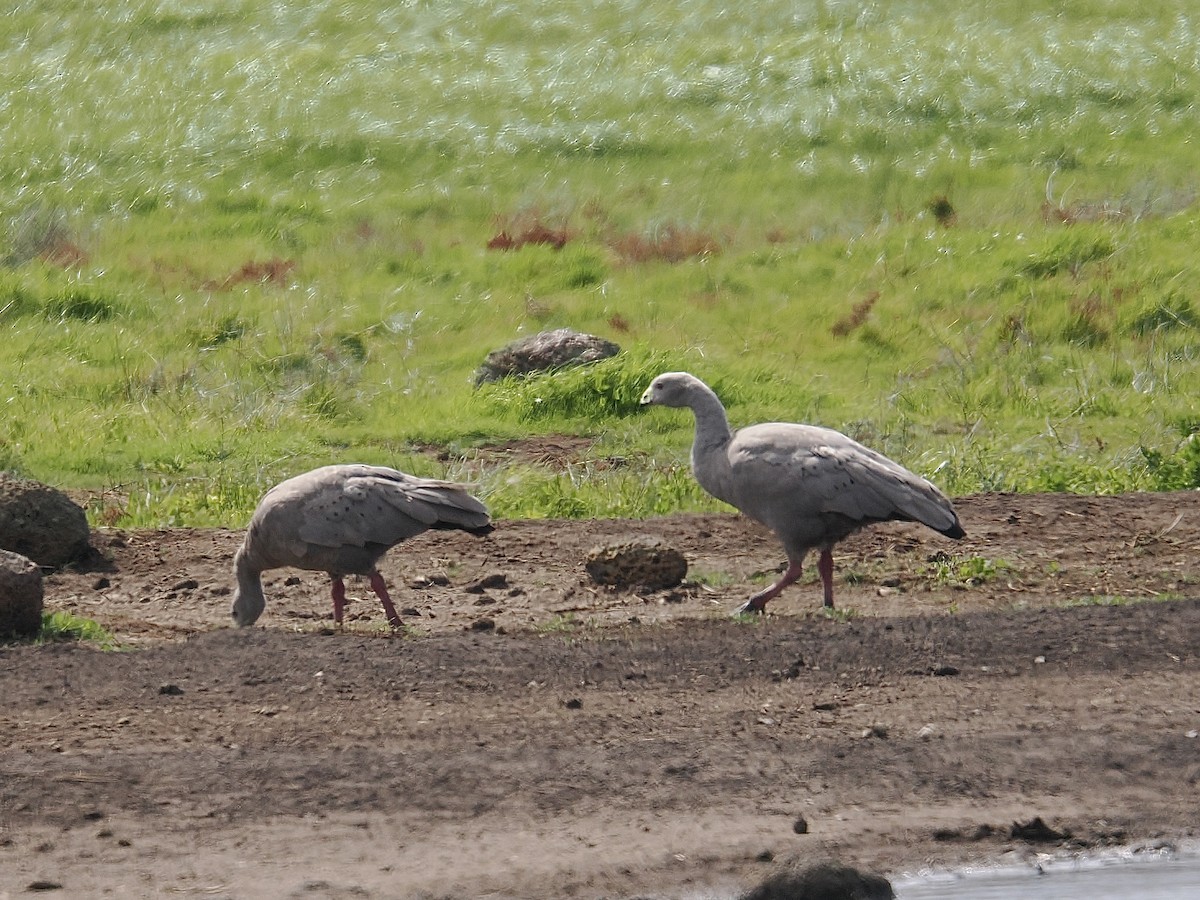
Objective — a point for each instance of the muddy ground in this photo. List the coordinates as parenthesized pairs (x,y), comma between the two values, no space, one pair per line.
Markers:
(534,735)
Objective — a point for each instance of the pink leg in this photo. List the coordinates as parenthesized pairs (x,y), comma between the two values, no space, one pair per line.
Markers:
(825,567)
(758,603)
(380,588)
(339,598)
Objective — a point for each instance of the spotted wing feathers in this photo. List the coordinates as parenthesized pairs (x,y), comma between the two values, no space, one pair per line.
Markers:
(358,505)
(784,470)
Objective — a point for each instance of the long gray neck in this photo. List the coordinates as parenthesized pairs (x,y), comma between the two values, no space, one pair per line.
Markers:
(712,425)
(248,599)
(710,459)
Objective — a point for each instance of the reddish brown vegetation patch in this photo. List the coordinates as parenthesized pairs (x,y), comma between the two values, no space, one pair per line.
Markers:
(857,315)
(271,271)
(672,243)
(1084,211)
(534,233)
(618,322)
(64,253)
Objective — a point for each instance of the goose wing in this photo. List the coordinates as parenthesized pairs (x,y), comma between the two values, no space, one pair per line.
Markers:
(358,505)
(781,473)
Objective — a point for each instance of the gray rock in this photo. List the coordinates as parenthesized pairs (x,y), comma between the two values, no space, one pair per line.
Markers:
(823,881)
(544,352)
(41,522)
(20,596)
(638,562)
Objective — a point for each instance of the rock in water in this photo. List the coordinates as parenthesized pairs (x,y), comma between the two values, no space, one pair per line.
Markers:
(823,881)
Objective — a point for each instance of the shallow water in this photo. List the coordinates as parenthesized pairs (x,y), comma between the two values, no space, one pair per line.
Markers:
(1164,876)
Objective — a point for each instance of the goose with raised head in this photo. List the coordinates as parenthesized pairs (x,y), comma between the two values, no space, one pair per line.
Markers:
(341,520)
(811,486)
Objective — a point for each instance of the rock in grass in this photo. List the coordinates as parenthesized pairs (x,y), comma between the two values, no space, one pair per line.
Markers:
(824,881)
(544,352)
(638,562)
(41,522)
(20,596)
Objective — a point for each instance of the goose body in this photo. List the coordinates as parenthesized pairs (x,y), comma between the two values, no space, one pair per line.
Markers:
(341,520)
(811,486)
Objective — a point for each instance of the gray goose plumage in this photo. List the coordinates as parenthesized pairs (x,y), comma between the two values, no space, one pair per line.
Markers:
(342,520)
(811,486)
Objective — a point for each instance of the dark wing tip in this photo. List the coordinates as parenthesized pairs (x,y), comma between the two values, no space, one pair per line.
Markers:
(477,530)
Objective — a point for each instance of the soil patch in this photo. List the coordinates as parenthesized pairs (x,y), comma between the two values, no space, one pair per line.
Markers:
(536,735)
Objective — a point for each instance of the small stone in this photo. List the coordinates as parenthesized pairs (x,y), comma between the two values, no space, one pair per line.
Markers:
(574,703)
(483,625)
(21,596)
(641,561)
(173,690)
(800,826)
(496,580)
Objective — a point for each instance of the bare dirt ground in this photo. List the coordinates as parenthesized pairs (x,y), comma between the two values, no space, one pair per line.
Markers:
(534,735)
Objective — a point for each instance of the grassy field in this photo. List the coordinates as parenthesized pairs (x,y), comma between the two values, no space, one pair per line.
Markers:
(242,239)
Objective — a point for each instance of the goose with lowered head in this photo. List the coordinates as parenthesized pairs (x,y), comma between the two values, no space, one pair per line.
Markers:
(342,519)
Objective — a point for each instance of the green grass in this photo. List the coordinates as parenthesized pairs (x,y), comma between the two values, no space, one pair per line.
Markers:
(64,626)
(968,571)
(238,240)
